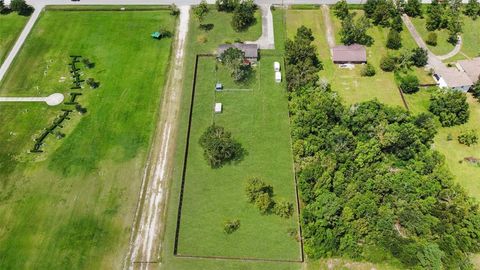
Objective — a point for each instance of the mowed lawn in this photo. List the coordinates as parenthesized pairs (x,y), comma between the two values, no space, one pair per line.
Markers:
(443,46)
(72,206)
(467,175)
(10,27)
(352,87)
(257,116)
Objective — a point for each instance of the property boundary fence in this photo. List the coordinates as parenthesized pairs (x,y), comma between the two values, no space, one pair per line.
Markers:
(182,189)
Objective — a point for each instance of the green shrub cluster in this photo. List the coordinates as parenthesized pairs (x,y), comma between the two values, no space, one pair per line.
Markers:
(261,194)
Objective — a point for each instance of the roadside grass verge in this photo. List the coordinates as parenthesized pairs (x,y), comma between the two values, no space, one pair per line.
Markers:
(10,27)
(72,206)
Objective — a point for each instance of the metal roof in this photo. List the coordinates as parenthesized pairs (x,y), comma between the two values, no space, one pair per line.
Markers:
(350,53)
(250,50)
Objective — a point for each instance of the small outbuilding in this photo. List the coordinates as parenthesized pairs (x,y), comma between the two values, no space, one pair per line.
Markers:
(156,35)
(276,66)
(218,107)
(351,54)
(278,76)
(218,86)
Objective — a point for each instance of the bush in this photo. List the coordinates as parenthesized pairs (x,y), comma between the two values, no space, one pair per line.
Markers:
(432,39)
(255,187)
(388,63)
(450,106)
(340,9)
(231,226)
(264,203)
(394,40)
(88,64)
(219,147)
(409,84)
(226,5)
(174,11)
(419,57)
(92,83)
(368,70)
(283,209)
(468,137)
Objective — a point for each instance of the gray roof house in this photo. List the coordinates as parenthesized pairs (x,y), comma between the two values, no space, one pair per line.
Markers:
(250,50)
(471,68)
(354,54)
(451,77)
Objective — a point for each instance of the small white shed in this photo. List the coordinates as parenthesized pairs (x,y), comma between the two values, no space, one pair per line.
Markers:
(278,76)
(276,66)
(218,107)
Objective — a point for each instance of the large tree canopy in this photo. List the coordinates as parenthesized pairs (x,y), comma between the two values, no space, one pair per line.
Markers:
(370,183)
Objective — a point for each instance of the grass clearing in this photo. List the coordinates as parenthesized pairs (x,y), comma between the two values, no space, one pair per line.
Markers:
(443,46)
(10,27)
(72,206)
(467,175)
(255,113)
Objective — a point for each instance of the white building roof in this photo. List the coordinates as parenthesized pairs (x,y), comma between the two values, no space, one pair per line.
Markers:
(218,107)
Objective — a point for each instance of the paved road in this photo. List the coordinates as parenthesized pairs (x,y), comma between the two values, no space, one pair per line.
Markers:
(453,52)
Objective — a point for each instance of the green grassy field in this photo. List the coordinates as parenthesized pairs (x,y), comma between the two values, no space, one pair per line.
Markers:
(352,87)
(10,27)
(443,46)
(467,175)
(72,207)
(255,113)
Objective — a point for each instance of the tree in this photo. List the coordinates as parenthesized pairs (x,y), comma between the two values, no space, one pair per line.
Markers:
(435,16)
(368,70)
(397,23)
(201,11)
(80,109)
(234,60)
(255,186)
(450,106)
(2,6)
(283,209)
(419,57)
(431,39)
(388,63)
(92,83)
(370,7)
(226,5)
(88,64)
(302,63)
(231,226)
(21,7)
(394,40)
(409,84)
(384,11)
(340,9)
(264,203)
(413,8)
(219,147)
(244,15)
(468,138)
(472,9)
(174,11)
(355,31)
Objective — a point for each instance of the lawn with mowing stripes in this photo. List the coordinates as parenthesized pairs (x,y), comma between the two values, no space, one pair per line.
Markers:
(10,27)
(72,206)
(257,116)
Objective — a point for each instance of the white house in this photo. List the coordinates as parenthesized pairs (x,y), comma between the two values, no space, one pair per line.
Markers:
(453,78)
(278,76)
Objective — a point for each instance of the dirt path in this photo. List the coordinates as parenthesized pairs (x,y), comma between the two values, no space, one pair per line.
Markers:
(328,26)
(146,235)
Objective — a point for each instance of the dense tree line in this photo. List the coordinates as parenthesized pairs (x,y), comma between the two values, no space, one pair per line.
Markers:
(302,63)
(373,187)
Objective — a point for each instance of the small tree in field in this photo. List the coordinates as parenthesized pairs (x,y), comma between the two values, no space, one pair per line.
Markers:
(264,203)
(201,11)
(468,138)
(388,63)
(368,70)
(174,11)
(231,226)
(419,57)
(472,9)
(413,8)
(244,15)
(219,147)
(255,187)
(394,40)
(409,84)
(432,39)
(283,209)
